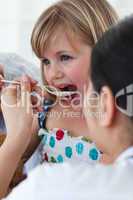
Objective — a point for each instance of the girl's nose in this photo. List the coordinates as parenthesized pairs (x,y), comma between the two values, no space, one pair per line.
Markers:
(56,72)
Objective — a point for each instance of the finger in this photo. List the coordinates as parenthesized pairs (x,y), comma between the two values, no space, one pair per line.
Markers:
(25,93)
(1,77)
(9,95)
(10,90)
(25,84)
(35,99)
(39,93)
(1,70)
(32,81)
(1,83)
(37,89)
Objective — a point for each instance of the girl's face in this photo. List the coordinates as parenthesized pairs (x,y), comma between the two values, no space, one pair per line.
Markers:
(66,65)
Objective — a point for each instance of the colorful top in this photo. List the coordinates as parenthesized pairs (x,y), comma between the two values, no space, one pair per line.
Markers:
(57,145)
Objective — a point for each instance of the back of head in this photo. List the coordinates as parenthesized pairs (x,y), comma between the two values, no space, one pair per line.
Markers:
(112,61)
(88,19)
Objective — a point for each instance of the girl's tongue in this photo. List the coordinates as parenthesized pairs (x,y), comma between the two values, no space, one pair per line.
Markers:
(69,88)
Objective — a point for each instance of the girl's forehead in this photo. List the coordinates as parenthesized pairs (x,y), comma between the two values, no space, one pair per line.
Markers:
(64,41)
(59,39)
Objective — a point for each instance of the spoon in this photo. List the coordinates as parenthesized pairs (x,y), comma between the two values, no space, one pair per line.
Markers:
(50,89)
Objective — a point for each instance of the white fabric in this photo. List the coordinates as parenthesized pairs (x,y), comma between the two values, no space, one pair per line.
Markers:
(15,66)
(77,181)
(126,156)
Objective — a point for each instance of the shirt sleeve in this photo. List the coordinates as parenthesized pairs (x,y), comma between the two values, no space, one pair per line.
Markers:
(51,181)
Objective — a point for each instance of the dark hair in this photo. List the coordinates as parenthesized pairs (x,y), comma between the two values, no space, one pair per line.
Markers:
(112,59)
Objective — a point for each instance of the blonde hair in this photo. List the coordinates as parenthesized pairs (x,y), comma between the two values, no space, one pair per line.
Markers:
(88,19)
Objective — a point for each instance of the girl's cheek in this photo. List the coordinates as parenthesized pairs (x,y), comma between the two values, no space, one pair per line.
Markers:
(77,78)
(76,75)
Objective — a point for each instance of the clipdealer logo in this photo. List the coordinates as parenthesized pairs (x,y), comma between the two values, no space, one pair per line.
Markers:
(128,93)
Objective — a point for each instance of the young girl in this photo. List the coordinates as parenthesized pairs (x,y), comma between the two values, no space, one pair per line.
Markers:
(63,38)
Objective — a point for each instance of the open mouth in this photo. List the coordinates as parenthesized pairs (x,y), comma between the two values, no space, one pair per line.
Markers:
(69,88)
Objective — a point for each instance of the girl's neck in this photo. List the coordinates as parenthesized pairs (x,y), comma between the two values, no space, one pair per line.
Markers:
(69,119)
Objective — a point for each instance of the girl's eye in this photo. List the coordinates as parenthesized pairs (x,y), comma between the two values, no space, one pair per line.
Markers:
(45,61)
(65,57)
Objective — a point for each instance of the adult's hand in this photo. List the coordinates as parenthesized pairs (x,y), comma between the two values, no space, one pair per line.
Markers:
(17,109)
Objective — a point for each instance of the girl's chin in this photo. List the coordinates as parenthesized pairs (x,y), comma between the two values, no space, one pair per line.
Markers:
(75,104)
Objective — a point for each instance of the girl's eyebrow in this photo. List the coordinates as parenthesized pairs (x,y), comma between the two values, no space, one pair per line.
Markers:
(63,52)
(57,53)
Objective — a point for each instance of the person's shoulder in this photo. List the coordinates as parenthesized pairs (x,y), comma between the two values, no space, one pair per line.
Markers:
(77,180)
(66,167)
(65,173)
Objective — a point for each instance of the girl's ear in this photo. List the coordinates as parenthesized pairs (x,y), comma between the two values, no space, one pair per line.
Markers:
(107,107)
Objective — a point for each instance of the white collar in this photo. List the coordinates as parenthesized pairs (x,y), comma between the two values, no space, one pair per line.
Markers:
(127,154)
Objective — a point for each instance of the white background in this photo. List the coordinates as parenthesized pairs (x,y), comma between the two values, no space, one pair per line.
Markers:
(17,18)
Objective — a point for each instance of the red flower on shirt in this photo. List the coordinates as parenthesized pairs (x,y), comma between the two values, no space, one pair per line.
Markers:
(59,134)
(46,157)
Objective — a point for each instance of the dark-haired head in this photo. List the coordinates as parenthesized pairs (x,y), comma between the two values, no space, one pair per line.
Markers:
(112,62)
(111,83)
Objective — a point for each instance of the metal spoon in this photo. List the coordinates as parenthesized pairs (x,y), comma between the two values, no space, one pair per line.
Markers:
(50,89)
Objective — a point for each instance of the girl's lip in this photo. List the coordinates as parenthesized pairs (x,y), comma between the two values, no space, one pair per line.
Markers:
(61,86)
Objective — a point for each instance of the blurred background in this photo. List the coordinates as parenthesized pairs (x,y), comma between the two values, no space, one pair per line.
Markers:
(17,18)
